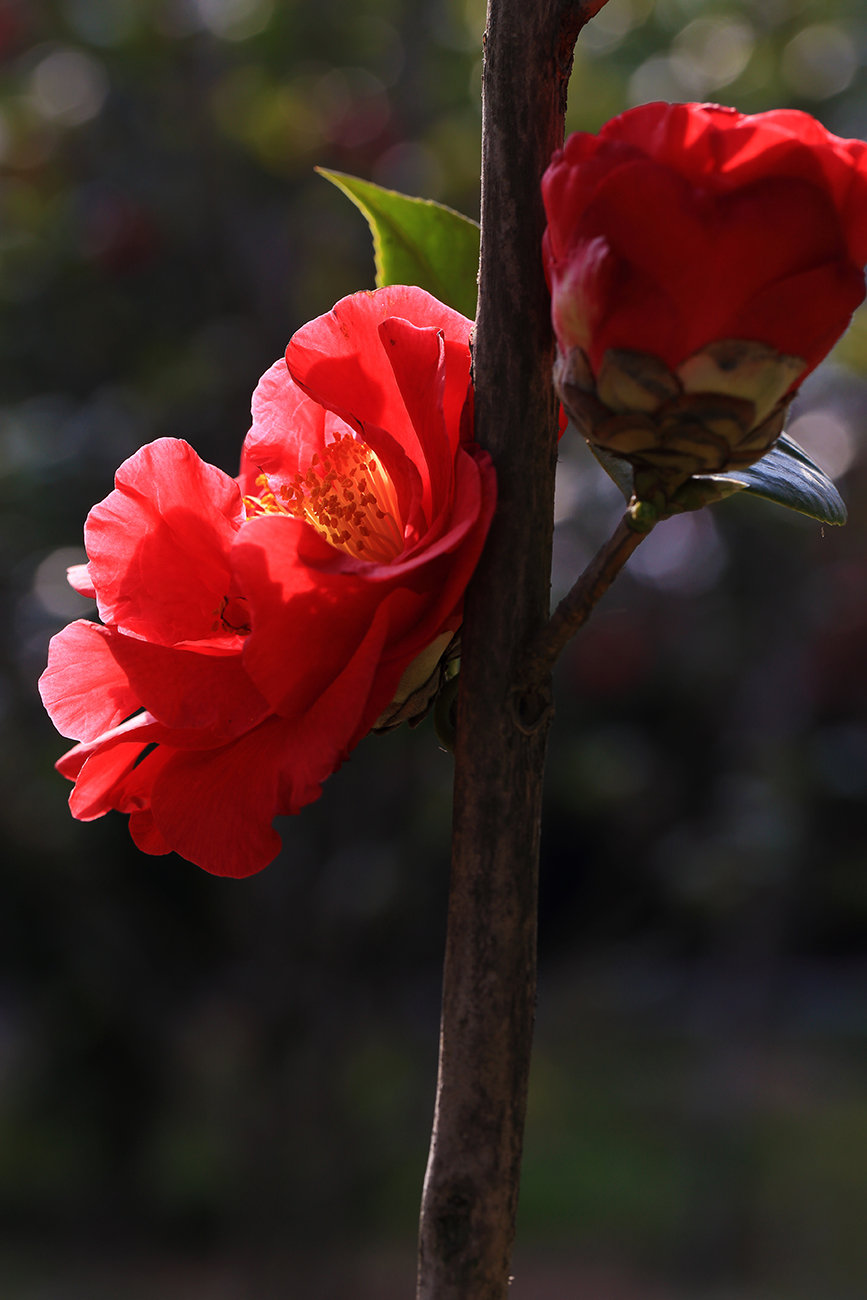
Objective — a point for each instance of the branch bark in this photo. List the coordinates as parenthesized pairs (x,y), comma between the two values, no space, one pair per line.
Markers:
(578,603)
(489,983)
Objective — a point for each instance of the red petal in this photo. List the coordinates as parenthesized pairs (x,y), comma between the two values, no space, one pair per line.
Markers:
(145,834)
(288,429)
(159,544)
(417,360)
(571,181)
(84,688)
(307,622)
(185,690)
(95,789)
(78,577)
(112,775)
(215,807)
(805,313)
(339,358)
(708,258)
(437,574)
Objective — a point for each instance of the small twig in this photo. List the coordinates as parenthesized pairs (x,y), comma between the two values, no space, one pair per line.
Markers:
(577,605)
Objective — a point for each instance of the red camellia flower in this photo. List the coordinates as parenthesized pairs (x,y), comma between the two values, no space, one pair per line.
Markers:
(254,629)
(680,227)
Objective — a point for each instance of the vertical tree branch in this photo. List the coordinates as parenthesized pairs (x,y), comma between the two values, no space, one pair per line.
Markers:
(489,984)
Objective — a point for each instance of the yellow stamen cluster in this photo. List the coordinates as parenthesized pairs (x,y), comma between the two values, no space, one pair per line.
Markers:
(346,495)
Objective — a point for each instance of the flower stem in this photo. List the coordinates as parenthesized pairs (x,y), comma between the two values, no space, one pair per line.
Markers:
(471,1187)
(577,605)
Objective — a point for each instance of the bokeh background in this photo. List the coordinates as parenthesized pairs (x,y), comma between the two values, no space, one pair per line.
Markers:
(223,1090)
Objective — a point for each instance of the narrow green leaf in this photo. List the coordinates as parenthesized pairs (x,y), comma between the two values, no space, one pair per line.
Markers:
(785,474)
(417,241)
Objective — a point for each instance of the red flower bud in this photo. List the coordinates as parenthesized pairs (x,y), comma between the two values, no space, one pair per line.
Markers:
(725,250)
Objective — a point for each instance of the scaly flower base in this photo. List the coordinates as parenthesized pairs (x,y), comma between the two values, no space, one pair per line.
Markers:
(723,408)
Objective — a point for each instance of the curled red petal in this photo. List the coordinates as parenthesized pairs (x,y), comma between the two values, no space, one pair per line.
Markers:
(288,429)
(145,834)
(84,688)
(78,577)
(159,544)
(110,772)
(416,356)
(340,361)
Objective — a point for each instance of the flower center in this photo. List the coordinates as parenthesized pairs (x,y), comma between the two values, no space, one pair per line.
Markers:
(346,495)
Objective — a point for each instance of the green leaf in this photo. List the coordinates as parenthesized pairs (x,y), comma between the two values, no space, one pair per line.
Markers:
(417,241)
(785,474)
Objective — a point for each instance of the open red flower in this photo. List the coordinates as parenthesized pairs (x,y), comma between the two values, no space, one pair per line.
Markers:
(255,629)
(726,248)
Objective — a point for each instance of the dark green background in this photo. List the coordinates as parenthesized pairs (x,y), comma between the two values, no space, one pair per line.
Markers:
(223,1089)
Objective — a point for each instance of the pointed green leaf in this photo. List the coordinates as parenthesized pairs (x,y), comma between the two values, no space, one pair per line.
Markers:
(785,474)
(417,241)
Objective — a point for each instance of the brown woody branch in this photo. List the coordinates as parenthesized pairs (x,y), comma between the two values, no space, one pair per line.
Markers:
(577,605)
(489,983)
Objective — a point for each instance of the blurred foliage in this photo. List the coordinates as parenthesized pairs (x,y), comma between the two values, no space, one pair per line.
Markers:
(204,1079)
